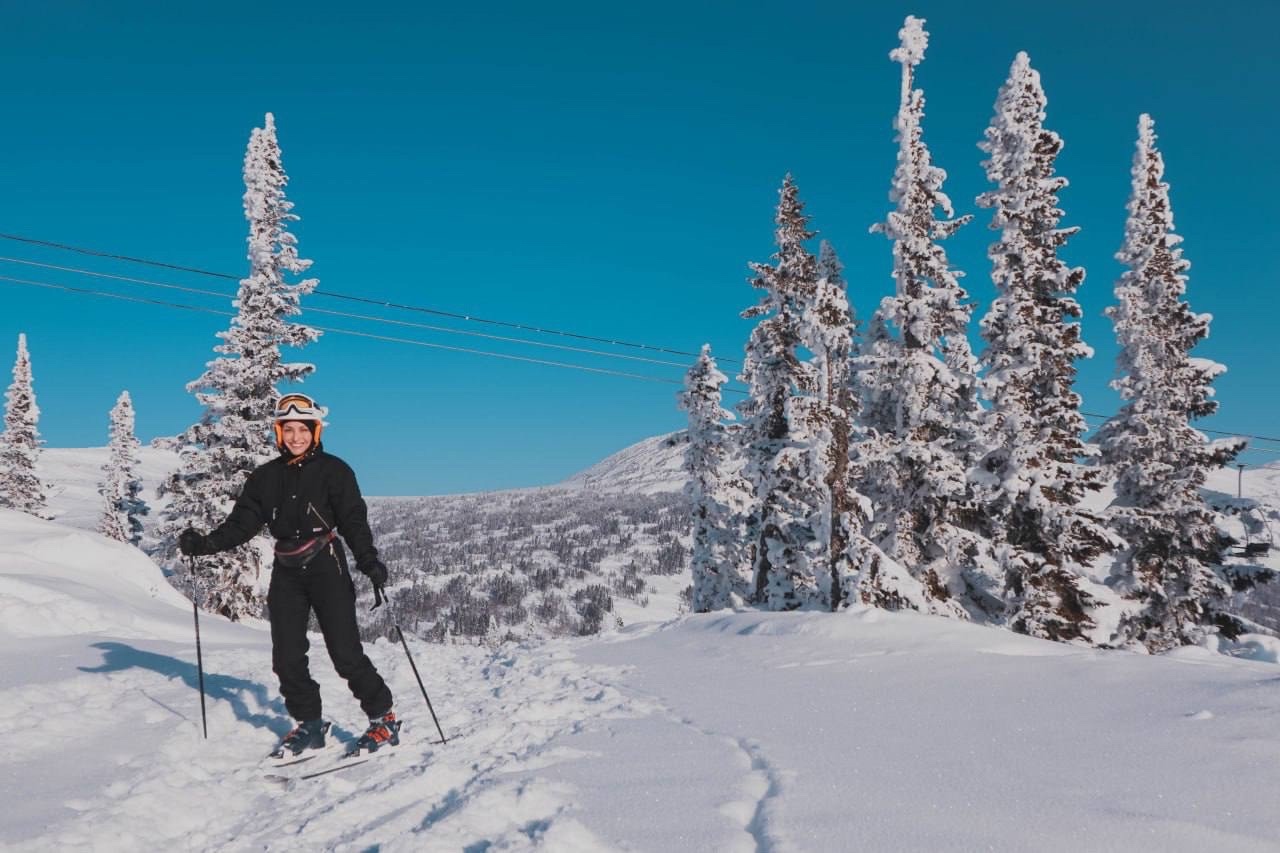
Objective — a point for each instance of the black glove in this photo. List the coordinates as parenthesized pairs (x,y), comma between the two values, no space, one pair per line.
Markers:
(193,543)
(376,572)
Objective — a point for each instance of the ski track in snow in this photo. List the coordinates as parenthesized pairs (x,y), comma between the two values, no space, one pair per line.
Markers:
(582,745)
(729,732)
(760,787)
(498,709)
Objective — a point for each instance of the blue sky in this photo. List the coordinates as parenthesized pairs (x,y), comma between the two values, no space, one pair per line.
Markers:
(608,171)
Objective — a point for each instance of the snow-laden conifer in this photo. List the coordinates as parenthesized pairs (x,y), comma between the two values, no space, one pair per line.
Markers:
(1172,566)
(877,412)
(239,387)
(1034,477)
(121,488)
(774,415)
(828,331)
(716,550)
(918,380)
(20,487)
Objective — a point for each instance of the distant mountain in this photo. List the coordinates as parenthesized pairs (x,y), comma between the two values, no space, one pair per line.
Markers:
(652,466)
(604,548)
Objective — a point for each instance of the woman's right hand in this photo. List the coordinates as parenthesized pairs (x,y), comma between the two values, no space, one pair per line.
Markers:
(193,543)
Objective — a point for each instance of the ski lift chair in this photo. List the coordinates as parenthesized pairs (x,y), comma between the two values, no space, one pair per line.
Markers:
(1258,543)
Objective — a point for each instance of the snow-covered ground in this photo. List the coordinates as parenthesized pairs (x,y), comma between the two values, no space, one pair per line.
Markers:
(748,731)
(745,731)
(72,476)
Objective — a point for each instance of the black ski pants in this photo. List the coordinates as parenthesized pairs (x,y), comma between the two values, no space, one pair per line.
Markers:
(325,586)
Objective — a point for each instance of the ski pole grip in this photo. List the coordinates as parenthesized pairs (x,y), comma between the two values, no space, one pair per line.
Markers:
(378,597)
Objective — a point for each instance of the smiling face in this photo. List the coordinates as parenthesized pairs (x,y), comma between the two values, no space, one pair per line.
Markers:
(296,436)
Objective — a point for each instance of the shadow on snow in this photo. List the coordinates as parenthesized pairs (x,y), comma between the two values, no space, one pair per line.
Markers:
(118,657)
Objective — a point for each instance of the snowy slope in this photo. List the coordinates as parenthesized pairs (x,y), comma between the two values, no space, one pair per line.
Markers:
(862,730)
(651,466)
(72,477)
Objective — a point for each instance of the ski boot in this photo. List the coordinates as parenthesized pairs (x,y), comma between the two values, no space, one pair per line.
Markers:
(306,735)
(382,731)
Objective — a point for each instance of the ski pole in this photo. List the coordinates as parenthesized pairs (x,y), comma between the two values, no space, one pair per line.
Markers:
(380,597)
(195,612)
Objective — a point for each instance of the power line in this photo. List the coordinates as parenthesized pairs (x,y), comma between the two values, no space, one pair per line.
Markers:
(63,246)
(141,300)
(602,370)
(311,309)
(403,307)
(1214,431)
(385,304)
(87,292)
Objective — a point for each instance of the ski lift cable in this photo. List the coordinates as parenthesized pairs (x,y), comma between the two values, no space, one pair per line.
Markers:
(445,329)
(124,297)
(1201,429)
(328,311)
(201,309)
(95,253)
(334,294)
(507,356)
(366,300)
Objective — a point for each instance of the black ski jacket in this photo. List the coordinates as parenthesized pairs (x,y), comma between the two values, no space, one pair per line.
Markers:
(300,500)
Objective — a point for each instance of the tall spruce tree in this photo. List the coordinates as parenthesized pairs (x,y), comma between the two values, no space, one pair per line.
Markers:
(20,486)
(1035,477)
(918,378)
(828,331)
(715,557)
(1172,566)
(239,387)
(773,415)
(121,488)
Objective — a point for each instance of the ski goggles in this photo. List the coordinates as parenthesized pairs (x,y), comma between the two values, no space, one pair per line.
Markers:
(296,407)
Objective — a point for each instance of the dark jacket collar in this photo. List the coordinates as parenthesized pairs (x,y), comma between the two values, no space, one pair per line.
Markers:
(289,459)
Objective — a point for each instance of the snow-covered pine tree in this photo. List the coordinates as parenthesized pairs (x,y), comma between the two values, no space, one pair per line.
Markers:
(1034,478)
(121,487)
(877,412)
(20,487)
(919,384)
(773,415)
(239,387)
(1172,565)
(829,332)
(715,557)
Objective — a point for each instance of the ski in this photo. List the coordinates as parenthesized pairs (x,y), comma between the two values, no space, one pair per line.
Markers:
(291,762)
(342,764)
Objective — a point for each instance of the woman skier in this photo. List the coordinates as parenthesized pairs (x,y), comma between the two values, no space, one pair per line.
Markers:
(307,497)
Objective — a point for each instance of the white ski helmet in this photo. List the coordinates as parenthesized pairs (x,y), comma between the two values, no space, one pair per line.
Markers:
(297,407)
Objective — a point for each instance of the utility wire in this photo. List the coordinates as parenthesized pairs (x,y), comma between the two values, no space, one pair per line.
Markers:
(432,328)
(87,292)
(310,309)
(602,370)
(397,306)
(335,295)
(97,254)
(161,303)
(1202,429)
